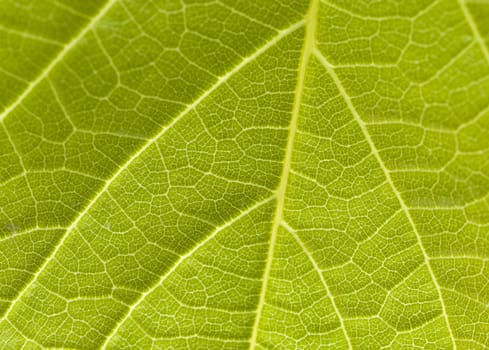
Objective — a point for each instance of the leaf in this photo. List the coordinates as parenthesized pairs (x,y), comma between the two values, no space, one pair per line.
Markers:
(244,174)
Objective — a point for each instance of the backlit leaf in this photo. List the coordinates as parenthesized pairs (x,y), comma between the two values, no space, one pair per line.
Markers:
(238,174)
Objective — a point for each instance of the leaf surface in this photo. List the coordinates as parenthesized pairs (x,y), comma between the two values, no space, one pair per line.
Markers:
(244,174)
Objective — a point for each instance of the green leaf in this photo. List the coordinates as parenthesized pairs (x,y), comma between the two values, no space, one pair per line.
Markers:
(237,174)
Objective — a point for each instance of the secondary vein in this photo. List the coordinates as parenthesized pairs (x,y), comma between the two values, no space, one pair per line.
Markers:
(59,57)
(473,28)
(330,69)
(184,257)
(282,34)
(307,50)
(314,264)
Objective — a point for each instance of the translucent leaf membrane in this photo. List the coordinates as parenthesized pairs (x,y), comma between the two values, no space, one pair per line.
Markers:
(244,174)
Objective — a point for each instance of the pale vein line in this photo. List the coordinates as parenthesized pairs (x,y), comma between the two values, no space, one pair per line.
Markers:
(306,53)
(59,57)
(473,27)
(22,334)
(466,257)
(214,233)
(30,36)
(21,162)
(14,234)
(151,141)
(482,302)
(330,69)
(321,277)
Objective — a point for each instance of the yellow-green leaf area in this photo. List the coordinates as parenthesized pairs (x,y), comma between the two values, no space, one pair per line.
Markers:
(234,174)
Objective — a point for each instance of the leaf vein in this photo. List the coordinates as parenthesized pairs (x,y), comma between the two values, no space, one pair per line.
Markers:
(329,68)
(282,34)
(177,264)
(321,277)
(59,57)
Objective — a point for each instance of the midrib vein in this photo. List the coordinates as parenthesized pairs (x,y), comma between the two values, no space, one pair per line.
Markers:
(330,69)
(309,43)
(281,34)
(59,57)
(175,266)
